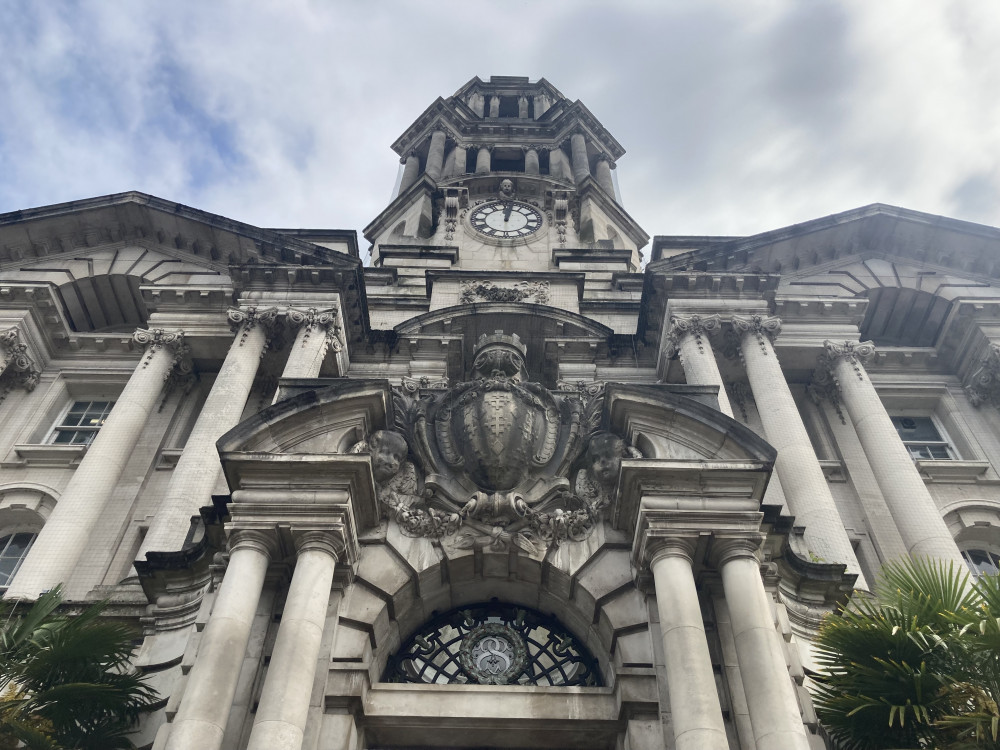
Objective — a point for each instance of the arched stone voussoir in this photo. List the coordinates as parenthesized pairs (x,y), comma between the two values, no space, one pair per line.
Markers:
(582,614)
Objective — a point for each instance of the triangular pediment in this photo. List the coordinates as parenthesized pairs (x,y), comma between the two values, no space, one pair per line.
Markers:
(181,232)
(874,231)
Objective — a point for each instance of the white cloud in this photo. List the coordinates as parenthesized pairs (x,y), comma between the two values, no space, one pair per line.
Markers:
(738,116)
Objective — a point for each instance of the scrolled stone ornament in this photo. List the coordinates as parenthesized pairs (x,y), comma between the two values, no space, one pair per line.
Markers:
(698,326)
(156,339)
(760,326)
(855,353)
(493,654)
(244,320)
(328,320)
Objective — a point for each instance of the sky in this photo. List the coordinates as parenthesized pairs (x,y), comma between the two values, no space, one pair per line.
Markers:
(738,116)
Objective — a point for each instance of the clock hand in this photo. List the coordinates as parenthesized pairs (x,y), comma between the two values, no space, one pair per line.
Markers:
(506,212)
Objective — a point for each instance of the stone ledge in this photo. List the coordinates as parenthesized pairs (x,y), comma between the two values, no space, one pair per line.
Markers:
(952,472)
(61,456)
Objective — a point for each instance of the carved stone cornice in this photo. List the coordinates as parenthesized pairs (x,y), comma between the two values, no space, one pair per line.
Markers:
(244,320)
(984,383)
(700,327)
(17,368)
(328,320)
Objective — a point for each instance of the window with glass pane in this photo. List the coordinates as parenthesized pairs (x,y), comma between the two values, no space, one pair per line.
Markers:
(80,424)
(13,549)
(922,438)
(982,562)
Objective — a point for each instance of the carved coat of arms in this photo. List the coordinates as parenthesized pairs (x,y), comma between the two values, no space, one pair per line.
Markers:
(494,455)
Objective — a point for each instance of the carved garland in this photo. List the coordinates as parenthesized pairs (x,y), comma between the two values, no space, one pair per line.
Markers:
(473,291)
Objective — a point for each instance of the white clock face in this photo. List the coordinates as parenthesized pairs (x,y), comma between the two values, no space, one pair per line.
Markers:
(506,219)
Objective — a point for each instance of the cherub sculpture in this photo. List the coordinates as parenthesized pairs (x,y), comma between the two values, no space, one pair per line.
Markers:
(395,477)
(397,489)
(595,482)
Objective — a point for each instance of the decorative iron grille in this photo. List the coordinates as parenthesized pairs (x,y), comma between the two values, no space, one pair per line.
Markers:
(494,644)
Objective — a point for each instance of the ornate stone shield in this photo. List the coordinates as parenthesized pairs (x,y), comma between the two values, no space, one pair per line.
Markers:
(495,431)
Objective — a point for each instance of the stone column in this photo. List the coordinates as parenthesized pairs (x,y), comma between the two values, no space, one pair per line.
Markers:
(70,528)
(604,175)
(531,160)
(460,159)
(284,702)
(319,332)
(435,155)
(211,684)
(695,711)
(477,103)
(774,713)
(494,106)
(913,510)
(541,105)
(522,107)
(411,171)
(581,163)
(17,368)
(558,165)
(198,468)
(688,336)
(483,160)
(802,479)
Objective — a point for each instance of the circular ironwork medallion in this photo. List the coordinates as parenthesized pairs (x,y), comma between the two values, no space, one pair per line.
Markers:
(493,654)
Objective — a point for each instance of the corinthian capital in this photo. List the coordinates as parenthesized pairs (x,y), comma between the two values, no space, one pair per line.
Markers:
(155,339)
(855,353)
(158,338)
(698,326)
(825,382)
(328,320)
(246,319)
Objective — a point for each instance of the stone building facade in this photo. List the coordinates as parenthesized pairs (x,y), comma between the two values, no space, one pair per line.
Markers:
(505,485)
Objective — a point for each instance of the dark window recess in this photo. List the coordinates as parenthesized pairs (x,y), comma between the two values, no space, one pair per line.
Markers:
(507,162)
(921,437)
(508,106)
(982,562)
(494,644)
(471,154)
(13,549)
(543,162)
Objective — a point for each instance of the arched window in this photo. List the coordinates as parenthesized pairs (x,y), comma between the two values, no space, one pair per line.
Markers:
(13,549)
(983,560)
(494,644)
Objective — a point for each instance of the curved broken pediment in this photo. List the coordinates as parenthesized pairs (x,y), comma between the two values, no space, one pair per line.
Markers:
(498,460)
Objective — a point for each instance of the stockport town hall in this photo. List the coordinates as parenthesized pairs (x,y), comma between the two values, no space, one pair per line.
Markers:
(525,479)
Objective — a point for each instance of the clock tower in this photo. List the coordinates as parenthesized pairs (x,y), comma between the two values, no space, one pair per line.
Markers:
(506,175)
